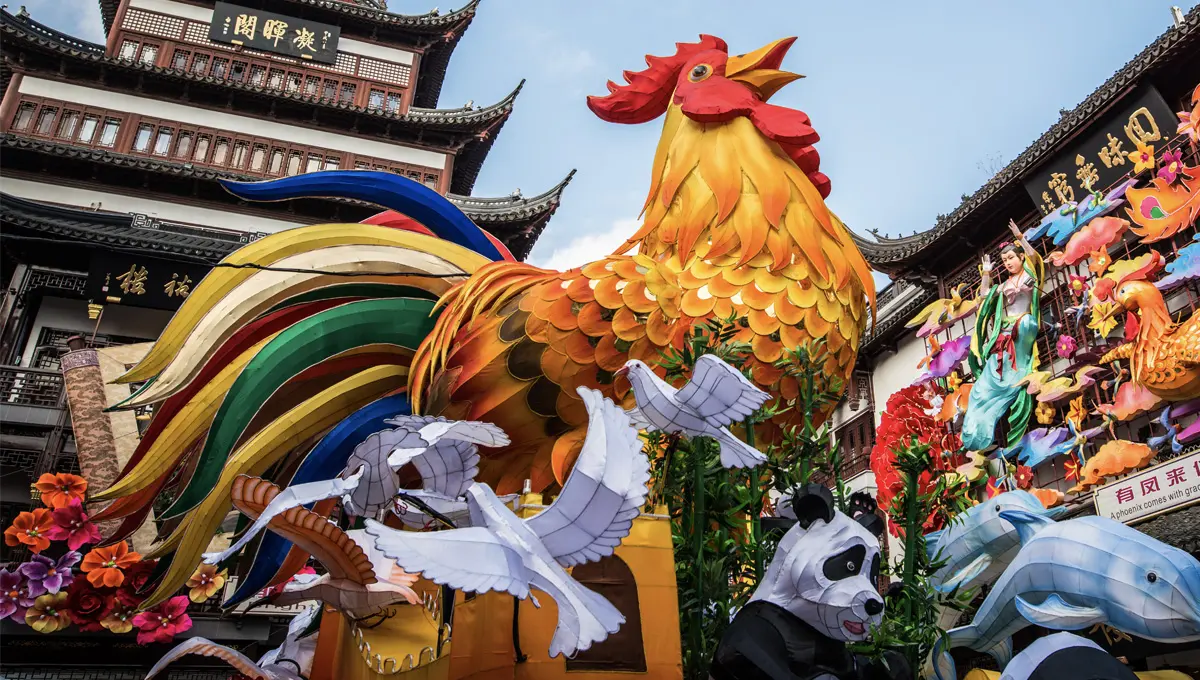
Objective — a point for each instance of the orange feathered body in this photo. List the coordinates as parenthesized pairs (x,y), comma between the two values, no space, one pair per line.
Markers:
(732,227)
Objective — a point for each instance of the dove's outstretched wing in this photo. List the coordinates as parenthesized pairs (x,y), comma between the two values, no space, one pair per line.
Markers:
(379,484)
(471,559)
(291,497)
(205,647)
(719,393)
(604,493)
(447,459)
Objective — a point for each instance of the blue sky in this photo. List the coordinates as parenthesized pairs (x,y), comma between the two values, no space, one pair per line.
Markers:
(916,103)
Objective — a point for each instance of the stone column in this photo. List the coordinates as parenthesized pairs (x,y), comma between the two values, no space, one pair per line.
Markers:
(94,440)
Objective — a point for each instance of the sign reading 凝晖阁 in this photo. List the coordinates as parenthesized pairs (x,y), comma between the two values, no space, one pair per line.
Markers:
(276,33)
(1168,486)
(1099,158)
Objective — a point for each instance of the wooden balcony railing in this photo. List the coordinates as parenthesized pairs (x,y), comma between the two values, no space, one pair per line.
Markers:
(23,386)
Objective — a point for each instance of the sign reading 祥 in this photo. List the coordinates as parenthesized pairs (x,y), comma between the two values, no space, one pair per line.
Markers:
(276,33)
(1153,491)
(1099,158)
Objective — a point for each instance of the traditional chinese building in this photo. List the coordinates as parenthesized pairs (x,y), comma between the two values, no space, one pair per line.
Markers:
(1087,147)
(110,205)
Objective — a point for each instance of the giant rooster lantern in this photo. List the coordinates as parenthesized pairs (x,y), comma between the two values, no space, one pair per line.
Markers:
(298,346)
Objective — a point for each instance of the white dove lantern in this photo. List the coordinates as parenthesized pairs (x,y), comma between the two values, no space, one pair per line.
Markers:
(502,552)
(443,452)
(716,396)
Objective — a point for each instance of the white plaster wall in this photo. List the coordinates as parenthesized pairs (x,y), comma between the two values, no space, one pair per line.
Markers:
(87,96)
(135,322)
(120,203)
(896,370)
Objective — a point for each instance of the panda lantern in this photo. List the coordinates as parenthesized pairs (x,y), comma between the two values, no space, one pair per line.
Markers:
(818,594)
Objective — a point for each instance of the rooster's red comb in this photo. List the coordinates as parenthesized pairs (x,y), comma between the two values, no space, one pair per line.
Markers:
(649,92)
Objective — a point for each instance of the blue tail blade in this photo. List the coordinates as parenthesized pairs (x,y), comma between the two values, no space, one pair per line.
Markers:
(385,189)
(325,461)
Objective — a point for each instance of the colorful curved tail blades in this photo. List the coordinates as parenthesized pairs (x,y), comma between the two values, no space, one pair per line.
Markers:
(400,323)
(386,189)
(272,251)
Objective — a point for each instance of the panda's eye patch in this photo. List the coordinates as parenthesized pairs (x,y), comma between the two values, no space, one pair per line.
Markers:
(875,568)
(845,564)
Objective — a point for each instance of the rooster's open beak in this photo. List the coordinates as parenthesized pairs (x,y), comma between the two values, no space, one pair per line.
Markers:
(759,70)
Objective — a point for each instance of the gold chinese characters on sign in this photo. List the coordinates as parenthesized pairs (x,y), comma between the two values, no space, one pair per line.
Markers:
(133,282)
(1102,158)
(177,287)
(270,32)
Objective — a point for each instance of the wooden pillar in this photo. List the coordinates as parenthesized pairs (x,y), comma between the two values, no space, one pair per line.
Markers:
(94,441)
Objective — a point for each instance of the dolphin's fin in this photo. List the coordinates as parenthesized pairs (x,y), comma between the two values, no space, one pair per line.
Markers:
(1057,614)
(1026,523)
(1002,651)
(966,574)
(931,543)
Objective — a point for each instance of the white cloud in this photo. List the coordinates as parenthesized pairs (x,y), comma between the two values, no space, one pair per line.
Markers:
(78,18)
(589,247)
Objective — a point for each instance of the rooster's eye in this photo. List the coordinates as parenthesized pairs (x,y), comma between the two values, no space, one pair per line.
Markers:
(700,72)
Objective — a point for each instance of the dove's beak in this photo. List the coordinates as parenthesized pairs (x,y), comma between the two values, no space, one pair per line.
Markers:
(622,371)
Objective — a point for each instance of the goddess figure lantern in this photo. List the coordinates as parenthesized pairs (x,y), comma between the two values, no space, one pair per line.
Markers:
(1003,347)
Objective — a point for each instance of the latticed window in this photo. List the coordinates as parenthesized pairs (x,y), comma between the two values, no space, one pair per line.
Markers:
(162,143)
(375,101)
(149,54)
(184,146)
(258,75)
(332,163)
(108,134)
(67,124)
(240,151)
(238,71)
(87,131)
(348,90)
(200,64)
(312,85)
(393,102)
(203,142)
(295,160)
(431,181)
(275,79)
(329,91)
(220,151)
(220,67)
(258,158)
(276,166)
(45,122)
(179,59)
(129,49)
(24,116)
(141,142)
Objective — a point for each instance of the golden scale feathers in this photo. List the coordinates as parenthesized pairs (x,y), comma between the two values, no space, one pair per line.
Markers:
(731,228)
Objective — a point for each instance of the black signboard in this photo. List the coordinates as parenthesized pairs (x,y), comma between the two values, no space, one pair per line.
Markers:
(120,278)
(1099,158)
(276,33)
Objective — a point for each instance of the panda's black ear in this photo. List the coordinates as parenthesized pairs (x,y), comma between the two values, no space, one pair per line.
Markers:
(812,502)
(862,508)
